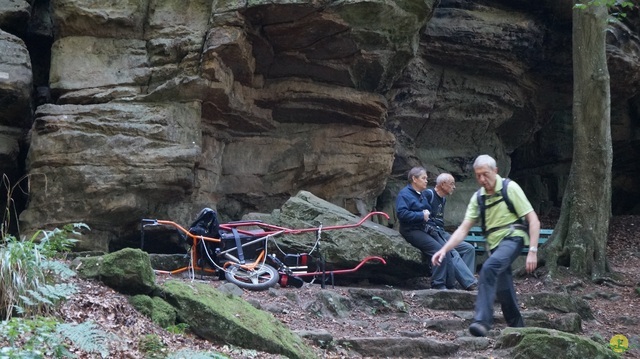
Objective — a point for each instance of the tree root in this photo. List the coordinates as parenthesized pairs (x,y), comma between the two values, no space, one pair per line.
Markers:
(611,282)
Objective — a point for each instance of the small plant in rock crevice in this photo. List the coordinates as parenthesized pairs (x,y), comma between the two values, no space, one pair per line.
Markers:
(152,346)
(180,328)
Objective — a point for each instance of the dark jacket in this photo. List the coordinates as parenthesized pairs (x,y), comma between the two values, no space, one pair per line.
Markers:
(437,204)
(409,207)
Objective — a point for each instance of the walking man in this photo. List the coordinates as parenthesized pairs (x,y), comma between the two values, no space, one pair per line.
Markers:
(505,236)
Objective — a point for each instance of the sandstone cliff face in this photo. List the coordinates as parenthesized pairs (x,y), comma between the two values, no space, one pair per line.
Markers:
(495,77)
(156,108)
(161,107)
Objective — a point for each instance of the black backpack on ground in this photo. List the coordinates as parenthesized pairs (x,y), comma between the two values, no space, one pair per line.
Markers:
(520,223)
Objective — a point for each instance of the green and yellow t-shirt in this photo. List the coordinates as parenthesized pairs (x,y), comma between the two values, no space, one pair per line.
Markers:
(500,215)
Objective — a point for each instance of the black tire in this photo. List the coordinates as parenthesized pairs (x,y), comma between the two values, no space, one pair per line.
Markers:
(262,277)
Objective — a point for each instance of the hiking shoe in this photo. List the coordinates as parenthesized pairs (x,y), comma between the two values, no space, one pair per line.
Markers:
(472,287)
(440,287)
(478,330)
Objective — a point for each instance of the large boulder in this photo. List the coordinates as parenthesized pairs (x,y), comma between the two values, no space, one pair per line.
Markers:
(345,248)
(219,317)
(128,271)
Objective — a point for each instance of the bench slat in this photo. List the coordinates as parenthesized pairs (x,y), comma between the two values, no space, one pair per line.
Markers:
(476,238)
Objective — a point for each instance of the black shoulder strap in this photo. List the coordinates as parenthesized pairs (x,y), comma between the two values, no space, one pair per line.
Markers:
(505,195)
(430,195)
(483,207)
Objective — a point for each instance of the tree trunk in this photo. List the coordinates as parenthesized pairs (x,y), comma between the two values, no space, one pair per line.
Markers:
(580,238)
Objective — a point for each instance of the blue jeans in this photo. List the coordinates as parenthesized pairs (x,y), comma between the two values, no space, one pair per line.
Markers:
(442,276)
(496,282)
(463,258)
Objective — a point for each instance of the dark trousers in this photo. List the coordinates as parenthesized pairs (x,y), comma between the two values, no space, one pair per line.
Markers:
(496,282)
(442,276)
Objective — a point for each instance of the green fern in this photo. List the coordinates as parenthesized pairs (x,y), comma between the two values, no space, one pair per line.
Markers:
(87,337)
(45,295)
(28,275)
(32,338)
(57,268)
(58,240)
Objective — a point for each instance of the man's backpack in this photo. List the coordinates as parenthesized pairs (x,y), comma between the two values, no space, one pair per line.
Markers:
(520,223)
(430,193)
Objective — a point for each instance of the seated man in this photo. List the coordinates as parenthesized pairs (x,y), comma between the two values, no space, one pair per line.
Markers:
(464,254)
(412,209)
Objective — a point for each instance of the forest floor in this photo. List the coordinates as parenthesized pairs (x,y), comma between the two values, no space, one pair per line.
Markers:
(614,305)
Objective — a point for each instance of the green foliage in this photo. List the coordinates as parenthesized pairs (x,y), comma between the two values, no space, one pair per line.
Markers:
(46,294)
(381,305)
(180,328)
(29,277)
(45,337)
(152,346)
(87,337)
(32,338)
(59,240)
(20,273)
(616,7)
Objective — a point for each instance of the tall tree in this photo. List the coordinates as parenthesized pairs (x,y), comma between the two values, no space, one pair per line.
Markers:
(580,237)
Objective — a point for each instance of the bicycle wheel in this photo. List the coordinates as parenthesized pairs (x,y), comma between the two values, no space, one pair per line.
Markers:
(262,277)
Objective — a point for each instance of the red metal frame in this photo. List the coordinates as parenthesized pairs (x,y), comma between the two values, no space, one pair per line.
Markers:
(272,229)
(267,229)
(342,271)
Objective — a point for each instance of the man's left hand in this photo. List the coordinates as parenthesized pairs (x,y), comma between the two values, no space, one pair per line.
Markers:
(532,262)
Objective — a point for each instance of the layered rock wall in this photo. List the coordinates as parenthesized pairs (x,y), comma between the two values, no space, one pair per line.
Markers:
(157,108)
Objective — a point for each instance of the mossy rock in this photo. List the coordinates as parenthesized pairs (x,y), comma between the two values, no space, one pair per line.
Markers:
(143,304)
(539,343)
(219,317)
(156,308)
(128,270)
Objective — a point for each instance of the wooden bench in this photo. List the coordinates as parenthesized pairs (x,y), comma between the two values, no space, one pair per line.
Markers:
(476,238)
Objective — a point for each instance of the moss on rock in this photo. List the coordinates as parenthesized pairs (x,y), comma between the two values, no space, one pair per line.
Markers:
(143,304)
(217,316)
(156,308)
(163,313)
(532,343)
(128,270)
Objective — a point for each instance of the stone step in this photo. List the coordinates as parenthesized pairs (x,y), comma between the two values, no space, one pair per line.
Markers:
(399,346)
(414,344)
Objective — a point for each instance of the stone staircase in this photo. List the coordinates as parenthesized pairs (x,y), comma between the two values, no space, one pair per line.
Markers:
(449,313)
